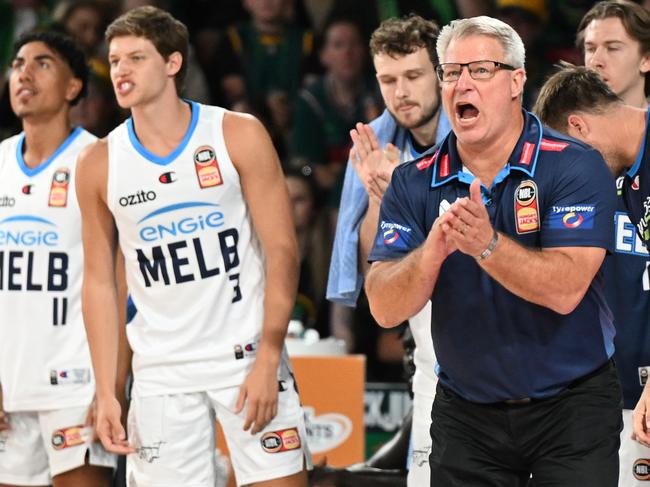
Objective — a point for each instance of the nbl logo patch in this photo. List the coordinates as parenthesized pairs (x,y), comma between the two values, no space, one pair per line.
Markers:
(59,188)
(279,441)
(641,469)
(207,168)
(526,208)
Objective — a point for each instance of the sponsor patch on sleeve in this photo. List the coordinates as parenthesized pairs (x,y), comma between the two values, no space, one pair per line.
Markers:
(393,235)
(578,217)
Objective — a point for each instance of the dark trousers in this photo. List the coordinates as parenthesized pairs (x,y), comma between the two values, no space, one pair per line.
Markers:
(570,440)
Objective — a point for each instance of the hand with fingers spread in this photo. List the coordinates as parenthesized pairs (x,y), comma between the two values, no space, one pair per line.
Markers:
(467,224)
(108,426)
(4,418)
(259,393)
(373,165)
(641,418)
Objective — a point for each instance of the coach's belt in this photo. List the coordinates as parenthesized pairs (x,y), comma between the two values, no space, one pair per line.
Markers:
(518,402)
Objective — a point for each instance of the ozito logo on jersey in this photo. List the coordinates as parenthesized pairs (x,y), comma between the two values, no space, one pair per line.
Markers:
(641,469)
(207,168)
(7,201)
(578,217)
(59,188)
(68,437)
(137,198)
(526,208)
(167,177)
(282,440)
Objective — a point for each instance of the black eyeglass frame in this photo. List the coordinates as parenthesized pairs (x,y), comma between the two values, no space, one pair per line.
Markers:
(497,65)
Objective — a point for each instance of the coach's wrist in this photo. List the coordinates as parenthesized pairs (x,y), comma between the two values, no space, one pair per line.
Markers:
(490,247)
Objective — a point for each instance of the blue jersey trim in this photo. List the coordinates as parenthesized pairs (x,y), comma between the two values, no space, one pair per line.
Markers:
(164,160)
(639,158)
(33,171)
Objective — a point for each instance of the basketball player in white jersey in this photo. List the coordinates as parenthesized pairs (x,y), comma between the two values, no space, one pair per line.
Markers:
(196,198)
(45,369)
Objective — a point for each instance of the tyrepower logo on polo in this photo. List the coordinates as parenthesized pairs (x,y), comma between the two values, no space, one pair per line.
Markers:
(69,437)
(393,235)
(282,440)
(579,217)
(137,198)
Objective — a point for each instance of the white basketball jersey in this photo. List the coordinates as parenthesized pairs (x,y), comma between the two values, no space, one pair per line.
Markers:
(44,357)
(194,267)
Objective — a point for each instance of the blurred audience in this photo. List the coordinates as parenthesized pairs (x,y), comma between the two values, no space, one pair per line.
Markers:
(265,58)
(314,245)
(529,18)
(327,110)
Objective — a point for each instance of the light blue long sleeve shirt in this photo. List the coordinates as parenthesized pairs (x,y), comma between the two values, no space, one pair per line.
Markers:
(345,281)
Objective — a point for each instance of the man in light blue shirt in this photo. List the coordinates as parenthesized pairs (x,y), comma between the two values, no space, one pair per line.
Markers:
(404,56)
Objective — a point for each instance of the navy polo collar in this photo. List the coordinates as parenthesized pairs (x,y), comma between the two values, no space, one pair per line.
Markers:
(448,165)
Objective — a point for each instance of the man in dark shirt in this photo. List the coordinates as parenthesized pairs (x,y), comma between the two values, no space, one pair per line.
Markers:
(505,228)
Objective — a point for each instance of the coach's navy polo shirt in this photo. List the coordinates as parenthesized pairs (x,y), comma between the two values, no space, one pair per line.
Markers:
(490,344)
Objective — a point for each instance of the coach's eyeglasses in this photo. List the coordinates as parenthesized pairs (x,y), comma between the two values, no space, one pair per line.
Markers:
(450,72)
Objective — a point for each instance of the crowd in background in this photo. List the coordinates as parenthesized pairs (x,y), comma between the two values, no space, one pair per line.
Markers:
(302,67)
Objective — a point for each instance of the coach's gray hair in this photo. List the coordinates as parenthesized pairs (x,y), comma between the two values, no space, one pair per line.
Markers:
(513,47)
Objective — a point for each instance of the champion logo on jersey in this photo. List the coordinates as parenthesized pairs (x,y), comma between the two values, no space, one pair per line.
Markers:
(207,168)
(27,189)
(69,376)
(635,183)
(59,188)
(167,177)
